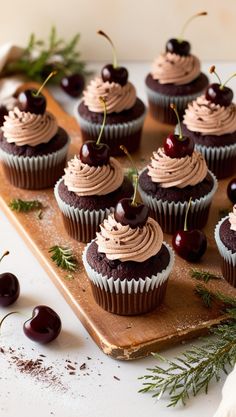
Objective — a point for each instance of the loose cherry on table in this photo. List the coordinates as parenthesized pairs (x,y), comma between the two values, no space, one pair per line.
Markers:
(218,93)
(231,190)
(9,287)
(112,72)
(31,100)
(128,211)
(189,244)
(96,153)
(73,84)
(44,325)
(178,146)
(178,45)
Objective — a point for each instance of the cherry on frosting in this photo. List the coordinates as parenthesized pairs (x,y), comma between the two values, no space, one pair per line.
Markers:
(112,72)
(218,93)
(180,46)
(128,211)
(178,146)
(95,153)
(31,100)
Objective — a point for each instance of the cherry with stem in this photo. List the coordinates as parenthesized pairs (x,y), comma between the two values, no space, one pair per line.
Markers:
(218,93)
(9,286)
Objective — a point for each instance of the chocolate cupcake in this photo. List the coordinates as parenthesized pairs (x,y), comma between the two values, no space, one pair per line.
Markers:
(210,121)
(128,266)
(225,236)
(175,77)
(125,112)
(167,184)
(33,149)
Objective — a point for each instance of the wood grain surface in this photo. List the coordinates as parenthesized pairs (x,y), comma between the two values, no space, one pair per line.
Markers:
(181,317)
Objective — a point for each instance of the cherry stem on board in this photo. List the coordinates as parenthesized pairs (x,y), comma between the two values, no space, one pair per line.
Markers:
(5,254)
(115,64)
(180,39)
(45,82)
(172,106)
(186,215)
(7,315)
(124,149)
(103,101)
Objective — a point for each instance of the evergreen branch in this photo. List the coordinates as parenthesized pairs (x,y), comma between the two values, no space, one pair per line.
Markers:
(205,276)
(63,257)
(206,295)
(24,206)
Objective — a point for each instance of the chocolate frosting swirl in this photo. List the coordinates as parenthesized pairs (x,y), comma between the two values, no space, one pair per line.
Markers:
(25,128)
(177,172)
(127,244)
(171,68)
(210,119)
(85,180)
(118,98)
(232,219)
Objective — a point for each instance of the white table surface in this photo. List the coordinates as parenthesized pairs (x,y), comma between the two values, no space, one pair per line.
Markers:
(93,391)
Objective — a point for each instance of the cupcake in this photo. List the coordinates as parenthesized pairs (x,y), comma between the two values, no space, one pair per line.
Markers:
(177,172)
(33,148)
(225,236)
(175,77)
(125,112)
(128,264)
(92,185)
(210,121)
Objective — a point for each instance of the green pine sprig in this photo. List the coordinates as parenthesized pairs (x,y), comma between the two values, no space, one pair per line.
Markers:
(63,257)
(205,276)
(41,57)
(193,371)
(25,206)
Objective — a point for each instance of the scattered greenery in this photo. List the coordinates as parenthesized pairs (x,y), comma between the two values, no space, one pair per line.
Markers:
(205,276)
(25,206)
(40,58)
(63,257)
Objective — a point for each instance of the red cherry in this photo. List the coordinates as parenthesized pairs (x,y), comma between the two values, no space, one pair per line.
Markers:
(9,289)
(219,95)
(93,154)
(190,245)
(117,75)
(28,101)
(44,325)
(73,84)
(179,47)
(175,147)
(231,190)
(127,213)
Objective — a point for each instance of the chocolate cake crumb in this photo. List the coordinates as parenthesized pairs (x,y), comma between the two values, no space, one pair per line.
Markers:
(83,366)
(116,377)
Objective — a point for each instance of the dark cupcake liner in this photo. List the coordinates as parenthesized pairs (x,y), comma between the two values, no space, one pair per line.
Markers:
(228,263)
(128,134)
(171,215)
(129,296)
(36,172)
(220,160)
(159,105)
(80,224)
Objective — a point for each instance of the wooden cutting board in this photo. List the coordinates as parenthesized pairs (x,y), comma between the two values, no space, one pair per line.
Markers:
(181,317)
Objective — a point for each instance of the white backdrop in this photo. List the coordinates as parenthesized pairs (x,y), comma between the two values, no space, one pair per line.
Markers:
(139,28)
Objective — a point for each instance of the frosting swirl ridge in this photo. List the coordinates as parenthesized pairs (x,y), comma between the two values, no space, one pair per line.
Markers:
(127,244)
(170,68)
(25,128)
(117,97)
(210,119)
(85,180)
(177,172)
(232,219)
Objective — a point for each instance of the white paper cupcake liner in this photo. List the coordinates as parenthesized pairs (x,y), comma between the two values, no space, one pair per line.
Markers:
(126,286)
(80,224)
(34,172)
(226,253)
(171,215)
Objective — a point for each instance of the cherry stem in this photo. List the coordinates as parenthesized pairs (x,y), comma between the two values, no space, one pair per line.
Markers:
(45,82)
(5,254)
(223,85)
(115,64)
(124,149)
(212,70)
(180,39)
(7,315)
(102,100)
(172,106)
(186,215)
